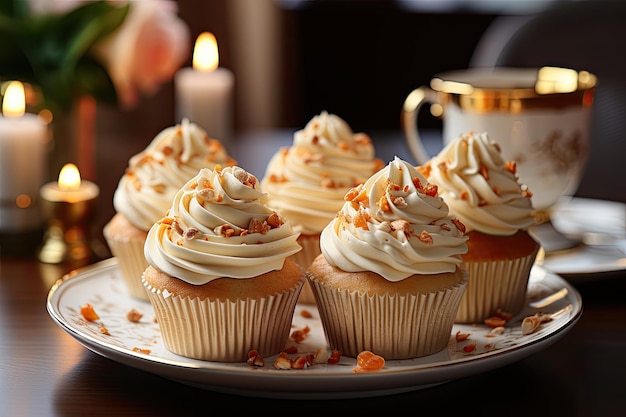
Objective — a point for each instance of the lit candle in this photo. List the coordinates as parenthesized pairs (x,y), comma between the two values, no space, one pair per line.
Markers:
(69,205)
(23,162)
(70,188)
(204,93)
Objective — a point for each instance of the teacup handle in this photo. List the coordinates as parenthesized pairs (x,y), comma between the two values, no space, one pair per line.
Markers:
(410,110)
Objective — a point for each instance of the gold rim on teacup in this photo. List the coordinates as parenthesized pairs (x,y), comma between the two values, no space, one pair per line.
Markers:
(514,89)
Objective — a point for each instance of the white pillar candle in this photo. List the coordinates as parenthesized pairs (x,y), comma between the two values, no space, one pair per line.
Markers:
(23,163)
(204,93)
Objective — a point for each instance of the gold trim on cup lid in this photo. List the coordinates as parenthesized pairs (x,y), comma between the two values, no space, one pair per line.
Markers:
(515,89)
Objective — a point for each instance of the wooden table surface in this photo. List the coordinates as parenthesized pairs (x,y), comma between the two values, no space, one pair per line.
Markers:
(45,372)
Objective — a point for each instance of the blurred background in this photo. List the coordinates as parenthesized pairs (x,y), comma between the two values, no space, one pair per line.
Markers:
(358,59)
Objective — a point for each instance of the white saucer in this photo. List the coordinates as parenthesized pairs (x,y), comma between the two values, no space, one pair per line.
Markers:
(578,219)
(102,286)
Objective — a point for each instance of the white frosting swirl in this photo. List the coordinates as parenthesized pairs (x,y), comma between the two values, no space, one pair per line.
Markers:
(395,225)
(153,176)
(480,188)
(220,226)
(306,182)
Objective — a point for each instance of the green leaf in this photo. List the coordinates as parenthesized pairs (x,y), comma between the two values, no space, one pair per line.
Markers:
(14,8)
(91,23)
(51,50)
(93,79)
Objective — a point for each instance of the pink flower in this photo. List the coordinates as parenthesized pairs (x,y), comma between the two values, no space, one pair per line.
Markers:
(146,51)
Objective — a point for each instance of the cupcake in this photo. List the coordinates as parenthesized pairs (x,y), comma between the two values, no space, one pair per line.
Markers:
(307,181)
(220,277)
(389,278)
(483,191)
(145,192)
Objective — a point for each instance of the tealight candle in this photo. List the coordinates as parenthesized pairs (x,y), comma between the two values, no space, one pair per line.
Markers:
(204,93)
(23,162)
(70,188)
(70,206)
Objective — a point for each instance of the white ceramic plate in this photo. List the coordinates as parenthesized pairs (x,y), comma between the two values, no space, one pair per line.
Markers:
(102,286)
(582,219)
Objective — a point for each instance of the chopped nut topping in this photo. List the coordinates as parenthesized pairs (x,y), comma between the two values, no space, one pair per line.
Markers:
(206,194)
(258,226)
(384,204)
(367,361)
(301,362)
(191,233)
(166,220)
(321,356)
(496,331)
(254,359)
(459,225)
(177,227)
(104,330)
(469,348)
(431,190)
(306,314)
(335,357)
(357,194)
(425,237)
(225,230)
(511,166)
(402,226)
(495,321)
(282,361)
(531,323)
(400,202)
(244,177)
(88,312)
(300,335)
(484,172)
(134,315)
(459,337)
(328,183)
(425,169)
(291,349)
(360,219)
(274,220)
(362,139)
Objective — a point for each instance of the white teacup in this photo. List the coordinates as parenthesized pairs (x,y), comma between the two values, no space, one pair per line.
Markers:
(540,117)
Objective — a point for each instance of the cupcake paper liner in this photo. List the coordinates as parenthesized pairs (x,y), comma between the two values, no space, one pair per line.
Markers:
(132,262)
(393,326)
(495,285)
(224,330)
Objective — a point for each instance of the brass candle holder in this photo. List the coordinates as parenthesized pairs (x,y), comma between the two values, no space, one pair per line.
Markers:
(69,208)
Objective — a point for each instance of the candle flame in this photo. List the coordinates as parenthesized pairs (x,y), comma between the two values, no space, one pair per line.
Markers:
(205,54)
(69,178)
(14,102)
